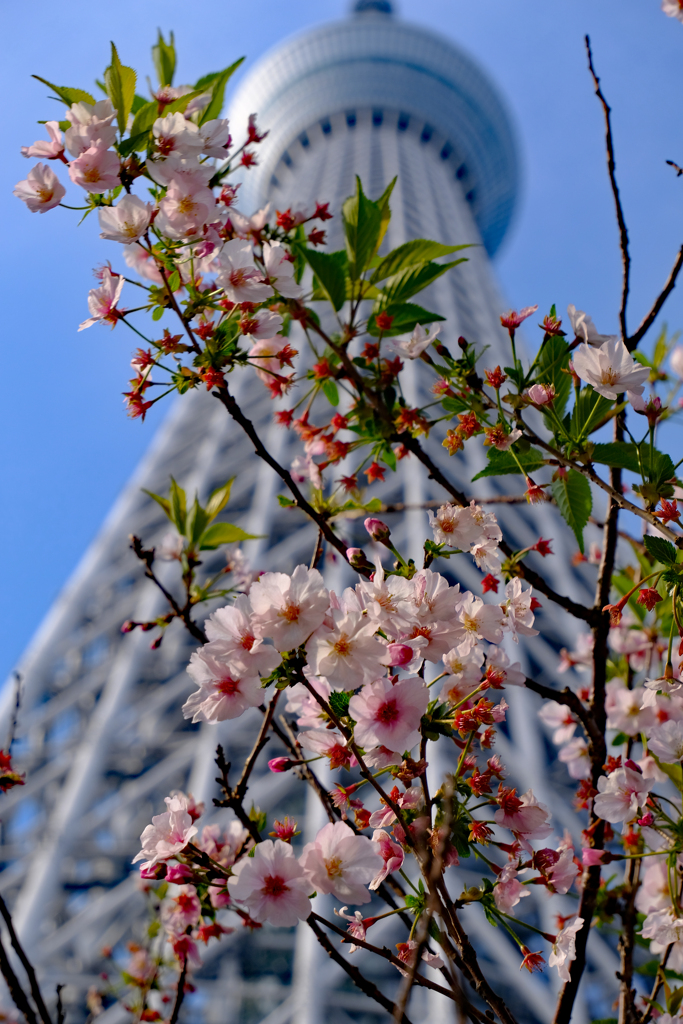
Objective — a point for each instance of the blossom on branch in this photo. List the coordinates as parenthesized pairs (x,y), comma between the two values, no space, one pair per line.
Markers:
(41,190)
(389,715)
(342,863)
(272,884)
(610,369)
(102,301)
(126,221)
(289,608)
(168,834)
(226,687)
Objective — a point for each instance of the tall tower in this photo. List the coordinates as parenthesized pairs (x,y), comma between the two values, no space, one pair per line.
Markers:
(101,736)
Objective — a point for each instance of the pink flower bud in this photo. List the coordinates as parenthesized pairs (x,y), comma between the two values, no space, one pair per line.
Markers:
(377,529)
(542,394)
(633,766)
(399,655)
(591,858)
(177,873)
(646,820)
(280,764)
(356,557)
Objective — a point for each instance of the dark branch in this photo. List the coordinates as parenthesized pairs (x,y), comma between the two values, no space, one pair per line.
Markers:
(646,323)
(26,964)
(17,993)
(180,993)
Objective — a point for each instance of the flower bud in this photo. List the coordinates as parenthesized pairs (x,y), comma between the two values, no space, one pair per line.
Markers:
(646,820)
(178,873)
(399,655)
(377,529)
(280,764)
(357,557)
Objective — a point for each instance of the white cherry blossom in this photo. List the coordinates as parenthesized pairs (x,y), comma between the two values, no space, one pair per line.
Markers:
(280,271)
(239,276)
(564,948)
(272,884)
(610,369)
(168,834)
(585,329)
(41,190)
(620,794)
(126,221)
(102,301)
(42,148)
(347,652)
(342,863)
(415,345)
(289,608)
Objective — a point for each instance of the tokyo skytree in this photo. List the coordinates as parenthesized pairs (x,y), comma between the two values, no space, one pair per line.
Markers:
(100,734)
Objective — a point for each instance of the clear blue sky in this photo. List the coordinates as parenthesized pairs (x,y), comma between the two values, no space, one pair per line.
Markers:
(67,446)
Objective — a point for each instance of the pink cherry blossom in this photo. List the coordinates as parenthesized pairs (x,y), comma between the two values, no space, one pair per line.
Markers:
(264,356)
(387,715)
(357,927)
(620,794)
(174,134)
(225,690)
(244,227)
(557,866)
(665,741)
(388,600)
(348,653)
(391,853)
(519,616)
(183,910)
(526,818)
(187,206)
(215,137)
(280,271)
(654,892)
(415,345)
(624,708)
(581,657)
(542,394)
(508,890)
(96,170)
(233,637)
(168,834)
(381,757)
(480,621)
(575,756)
(41,190)
(91,125)
(272,884)
(239,276)
(500,671)
(564,948)
(410,800)
(329,743)
(672,9)
(289,608)
(663,926)
(302,703)
(142,263)
(342,863)
(126,221)
(407,952)
(262,325)
(559,718)
(48,150)
(454,526)
(223,844)
(102,301)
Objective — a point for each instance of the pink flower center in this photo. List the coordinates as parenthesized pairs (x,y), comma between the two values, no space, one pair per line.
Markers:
(247,641)
(290,613)
(44,194)
(187,205)
(238,277)
(343,646)
(228,686)
(388,712)
(274,886)
(334,867)
(92,175)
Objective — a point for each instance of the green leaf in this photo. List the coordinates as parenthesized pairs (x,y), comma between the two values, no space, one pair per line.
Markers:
(197,520)
(164,502)
(406,316)
(420,250)
(120,83)
(219,499)
(144,118)
(401,286)
(157,313)
(553,360)
(331,391)
(68,95)
(330,269)
(163,55)
(504,462)
(135,144)
(215,105)
(674,771)
(588,411)
(574,500)
(383,203)
(362,222)
(178,507)
(661,550)
(339,702)
(223,533)
(174,281)
(618,456)
(285,502)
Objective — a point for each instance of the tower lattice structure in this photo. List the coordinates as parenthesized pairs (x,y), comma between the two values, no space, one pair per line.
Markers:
(100,734)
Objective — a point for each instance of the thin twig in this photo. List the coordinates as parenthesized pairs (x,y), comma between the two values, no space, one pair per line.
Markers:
(26,964)
(16,991)
(658,982)
(18,679)
(611,168)
(650,318)
(568,698)
(180,993)
(61,1012)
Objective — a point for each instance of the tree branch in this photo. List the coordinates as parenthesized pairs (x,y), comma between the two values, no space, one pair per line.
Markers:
(180,993)
(649,319)
(26,964)
(569,699)
(17,993)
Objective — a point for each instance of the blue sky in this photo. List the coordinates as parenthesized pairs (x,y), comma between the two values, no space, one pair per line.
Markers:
(68,447)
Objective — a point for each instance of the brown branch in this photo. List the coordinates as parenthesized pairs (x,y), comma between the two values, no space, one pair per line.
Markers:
(658,982)
(359,980)
(146,555)
(649,319)
(224,396)
(627,1010)
(240,790)
(19,997)
(61,1012)
(611,168)
(180,993)
(569,699)
(26,964)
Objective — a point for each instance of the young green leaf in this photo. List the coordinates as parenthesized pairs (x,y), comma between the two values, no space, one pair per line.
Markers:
(164,57)
(135,144)
(144,118)
(285,502)
(68,95)
(339,702)
(120,84)
(215,104)
(661,550)
(330,268)
(552,362)
(331,392)
(219,499)
(164,502)
(420,250)
(572,493)
(401,286)
(362,221)
(500,463)
(178,507)
(383,203)
(223,533)
(406,316)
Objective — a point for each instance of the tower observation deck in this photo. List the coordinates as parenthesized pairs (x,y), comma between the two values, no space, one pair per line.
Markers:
(101,736)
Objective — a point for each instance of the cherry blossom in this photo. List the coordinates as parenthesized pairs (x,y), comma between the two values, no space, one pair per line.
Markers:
(564,948)
(558,866)
(102,301)
(508,890)
(390,852)
(225,691)
(187,205)
(142,263)
(524,816)
(268,355)
(41,190)
(388,600)
(389,715)
(620,794)
(347,652)
(676,355)
(454,526)
(126,221)
(223,844)
(519,616)
(168,834)
(233,637)
(585,329)
(407,952)
(480,621)
(182,911)
(174,134)
(289,608)
(96,170)
(654,892)
(610,369)
(51,150)
(500,671)
(302,703)
(238,275)
(215,137)
(342,863)
(415,345)
(330,744)
(672,9)
(410,800)
(263,324)
(91,125)
(624,708)
(272,884)
(575,756)
(171,547)
(280,271)
(665,741)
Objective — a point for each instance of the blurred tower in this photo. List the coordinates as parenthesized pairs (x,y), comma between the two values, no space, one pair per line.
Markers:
(101,735)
